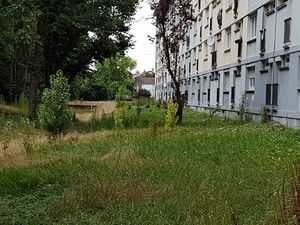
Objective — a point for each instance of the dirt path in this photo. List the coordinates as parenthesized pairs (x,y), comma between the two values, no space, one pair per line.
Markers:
(92,108)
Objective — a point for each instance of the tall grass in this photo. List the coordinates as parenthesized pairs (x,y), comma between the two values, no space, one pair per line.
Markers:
(134,115)
(210,171)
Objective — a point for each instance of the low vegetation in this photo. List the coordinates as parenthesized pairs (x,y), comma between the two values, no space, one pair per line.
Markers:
(209,171)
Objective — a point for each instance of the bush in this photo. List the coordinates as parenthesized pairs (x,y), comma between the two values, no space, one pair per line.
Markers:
(143,93)
(171,119)
(130,117)
(118,117)
(106,122)
(53,112)
(23,103)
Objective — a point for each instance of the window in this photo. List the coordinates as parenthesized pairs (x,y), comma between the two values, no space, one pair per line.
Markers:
(200,32)
(281,3)
(268,94)
(187,43)
(206,49)
(252,26)
(229,4)
(236,6)
(207,22)
(219,36)
(228,39)
(226,81)
(262,41)
(287,30)
(272,94)
(239,42)
(270,7)
(232,95)
(208,95)
(214,60)
(251,78)
(275,95)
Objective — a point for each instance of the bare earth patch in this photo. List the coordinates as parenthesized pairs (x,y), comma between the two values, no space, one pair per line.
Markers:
(92,109)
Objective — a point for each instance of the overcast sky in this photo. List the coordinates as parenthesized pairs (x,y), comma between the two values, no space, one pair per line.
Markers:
(144,51)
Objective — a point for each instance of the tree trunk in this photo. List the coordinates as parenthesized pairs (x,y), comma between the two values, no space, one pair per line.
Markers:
(179,113)
(33,96)
(34,85)
(179,101)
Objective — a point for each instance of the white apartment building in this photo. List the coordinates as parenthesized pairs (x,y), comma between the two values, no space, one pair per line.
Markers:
(239,48)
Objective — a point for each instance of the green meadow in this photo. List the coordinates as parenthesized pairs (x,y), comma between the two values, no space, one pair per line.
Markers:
(209,171)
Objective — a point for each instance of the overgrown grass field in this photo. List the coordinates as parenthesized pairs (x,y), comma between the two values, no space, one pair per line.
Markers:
(210,171)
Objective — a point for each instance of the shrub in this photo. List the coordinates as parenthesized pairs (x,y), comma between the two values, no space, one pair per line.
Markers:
(143,93)
(265,118)
(118,117)
(53,112)
(23,102)
(171,119)
(106,122)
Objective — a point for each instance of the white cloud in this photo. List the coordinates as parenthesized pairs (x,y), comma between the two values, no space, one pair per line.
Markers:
(143,51)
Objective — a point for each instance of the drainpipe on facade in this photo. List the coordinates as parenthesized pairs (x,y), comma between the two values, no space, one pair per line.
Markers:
(273,61)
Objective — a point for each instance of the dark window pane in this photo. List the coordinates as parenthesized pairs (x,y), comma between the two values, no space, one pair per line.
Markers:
(208,95)
(287,30)
(275,95)
(232,95)
(268,94)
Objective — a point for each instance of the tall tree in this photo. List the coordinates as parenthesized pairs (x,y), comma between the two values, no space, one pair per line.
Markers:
(68,35)
(172,19)
(115,73)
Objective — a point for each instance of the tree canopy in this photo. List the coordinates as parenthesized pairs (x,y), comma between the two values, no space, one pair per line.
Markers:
(40,37)
(111,77)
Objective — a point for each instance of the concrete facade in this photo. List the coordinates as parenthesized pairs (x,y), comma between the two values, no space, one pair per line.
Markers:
(255,56)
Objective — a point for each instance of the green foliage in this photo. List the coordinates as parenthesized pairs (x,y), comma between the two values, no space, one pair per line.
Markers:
(86,88)
(41,37)
(140,114)
(142,93)
(244,114)
(214,110)
(194,175)
(23,103)
(265,117)
(118,118)
(171,119)
(114,74)
(2,101)
(54,114)
(107,122)
(14,127)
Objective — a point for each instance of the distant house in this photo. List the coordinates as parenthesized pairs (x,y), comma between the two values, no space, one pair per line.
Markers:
(144,80)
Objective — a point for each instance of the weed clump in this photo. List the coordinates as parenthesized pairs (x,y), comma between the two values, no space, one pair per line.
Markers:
(171,119)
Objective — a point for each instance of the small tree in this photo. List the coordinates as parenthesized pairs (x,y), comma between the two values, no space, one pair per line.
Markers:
(172,18)
(53,112)
(171,120)
(113,73)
